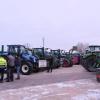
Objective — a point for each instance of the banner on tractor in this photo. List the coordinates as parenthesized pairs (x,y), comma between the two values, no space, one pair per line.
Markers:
(42,63)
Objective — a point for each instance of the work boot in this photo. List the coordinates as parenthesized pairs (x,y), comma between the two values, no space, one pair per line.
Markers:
(7,81)
(18,78)
(1,81)
(12,80)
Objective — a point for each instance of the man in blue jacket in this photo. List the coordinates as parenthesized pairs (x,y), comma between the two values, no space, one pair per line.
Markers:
(18,66)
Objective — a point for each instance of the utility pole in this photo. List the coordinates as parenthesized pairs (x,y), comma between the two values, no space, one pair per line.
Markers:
(43,39)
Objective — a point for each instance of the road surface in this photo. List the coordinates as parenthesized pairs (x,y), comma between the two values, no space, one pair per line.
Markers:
(72,83)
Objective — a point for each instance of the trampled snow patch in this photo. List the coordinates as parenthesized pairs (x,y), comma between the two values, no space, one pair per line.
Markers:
(45,92)
(93,94)
(84,89)
(63,85)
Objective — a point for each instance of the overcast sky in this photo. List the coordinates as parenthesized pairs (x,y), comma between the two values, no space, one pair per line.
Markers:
(63,23)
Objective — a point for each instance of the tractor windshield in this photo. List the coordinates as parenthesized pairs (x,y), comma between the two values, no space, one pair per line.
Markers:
(38,51)
(22,50)
(25,51)
(29,52)
(12,49)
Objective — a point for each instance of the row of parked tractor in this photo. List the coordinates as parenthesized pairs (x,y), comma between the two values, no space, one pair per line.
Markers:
(36,59)
(91,60)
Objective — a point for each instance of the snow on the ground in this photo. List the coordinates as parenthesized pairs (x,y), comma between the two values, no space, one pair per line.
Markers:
(93,94)
(85,89)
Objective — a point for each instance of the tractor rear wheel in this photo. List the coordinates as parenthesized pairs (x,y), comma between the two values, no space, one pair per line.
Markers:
(98,76)
(66,63)
(98,80)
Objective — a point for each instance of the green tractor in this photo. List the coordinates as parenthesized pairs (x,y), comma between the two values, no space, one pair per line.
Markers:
(43,55)
(56,54)
(66,60)
(91,58)
(61,58)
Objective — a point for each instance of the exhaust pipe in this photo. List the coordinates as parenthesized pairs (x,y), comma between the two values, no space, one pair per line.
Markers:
(2,48)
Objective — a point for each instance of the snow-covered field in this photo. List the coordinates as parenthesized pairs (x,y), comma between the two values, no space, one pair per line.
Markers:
(84,89)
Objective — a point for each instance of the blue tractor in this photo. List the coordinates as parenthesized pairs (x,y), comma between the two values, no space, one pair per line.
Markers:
(28,60)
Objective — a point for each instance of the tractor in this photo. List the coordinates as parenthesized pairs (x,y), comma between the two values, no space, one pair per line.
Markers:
(28,61)
(74,56)
(56,54)
(67,60)
(91,58)
(43,55)
(61,58)
(71,58)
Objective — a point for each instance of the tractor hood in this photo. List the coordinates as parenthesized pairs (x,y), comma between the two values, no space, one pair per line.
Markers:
(28,57)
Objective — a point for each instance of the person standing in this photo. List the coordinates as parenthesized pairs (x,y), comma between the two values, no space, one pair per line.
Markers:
(3,65)
(10,67)
(18,66)
(50,64)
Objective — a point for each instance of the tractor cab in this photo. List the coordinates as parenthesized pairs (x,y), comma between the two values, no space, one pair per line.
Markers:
(43,55)
(18,49)
(93,49)
(56,53)
(39,52)
(21,50)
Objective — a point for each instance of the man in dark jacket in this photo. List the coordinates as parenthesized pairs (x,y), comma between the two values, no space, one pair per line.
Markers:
(50,64)
(10,67)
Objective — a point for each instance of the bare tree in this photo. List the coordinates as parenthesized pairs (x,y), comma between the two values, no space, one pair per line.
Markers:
(81,47)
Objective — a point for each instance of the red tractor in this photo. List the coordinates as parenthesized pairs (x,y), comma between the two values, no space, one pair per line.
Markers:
(75,56)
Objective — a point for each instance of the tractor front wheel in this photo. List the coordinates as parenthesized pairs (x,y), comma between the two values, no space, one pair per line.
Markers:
(26,69)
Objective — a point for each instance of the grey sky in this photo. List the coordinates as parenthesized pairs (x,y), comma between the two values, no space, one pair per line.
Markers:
(63,23)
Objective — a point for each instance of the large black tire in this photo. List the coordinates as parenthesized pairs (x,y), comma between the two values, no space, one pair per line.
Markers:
(36,68)
(26,68)
(89,62)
